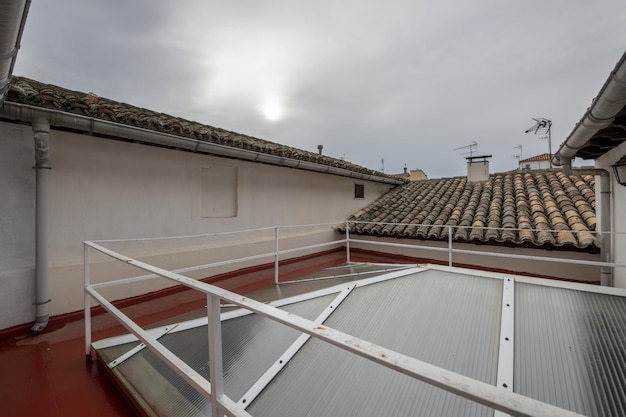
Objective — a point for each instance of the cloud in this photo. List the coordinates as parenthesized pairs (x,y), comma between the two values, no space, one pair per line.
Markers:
(407,81)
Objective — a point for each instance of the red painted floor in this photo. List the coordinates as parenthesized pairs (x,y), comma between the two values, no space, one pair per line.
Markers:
(48,375)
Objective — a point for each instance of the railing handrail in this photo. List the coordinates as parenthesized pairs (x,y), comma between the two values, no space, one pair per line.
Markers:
(345,222)
(231,232)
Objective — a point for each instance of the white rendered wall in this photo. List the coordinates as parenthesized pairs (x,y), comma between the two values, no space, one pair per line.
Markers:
(535,165)
(106,189)
(618,218)
(17,225)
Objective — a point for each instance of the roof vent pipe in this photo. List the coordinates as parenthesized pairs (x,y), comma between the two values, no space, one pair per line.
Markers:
(606,272)
(41,134)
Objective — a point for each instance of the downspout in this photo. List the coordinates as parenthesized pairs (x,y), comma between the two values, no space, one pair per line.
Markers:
(606,272)
(41,134)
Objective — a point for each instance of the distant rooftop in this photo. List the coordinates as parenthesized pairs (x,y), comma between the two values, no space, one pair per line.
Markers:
(536,158)
(542,199)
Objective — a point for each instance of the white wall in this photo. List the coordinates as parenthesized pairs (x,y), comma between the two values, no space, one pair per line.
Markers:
(106,189)
(535,165)
(17,226)
(618,218)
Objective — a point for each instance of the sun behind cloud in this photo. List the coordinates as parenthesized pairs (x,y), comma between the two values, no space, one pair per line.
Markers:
(272,110)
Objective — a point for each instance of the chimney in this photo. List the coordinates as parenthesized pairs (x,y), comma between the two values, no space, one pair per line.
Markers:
(406,171)
(319,148)
(478,168)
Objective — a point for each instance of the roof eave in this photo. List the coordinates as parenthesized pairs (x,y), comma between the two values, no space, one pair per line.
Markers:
(12,24)
(610,101)
(58,119)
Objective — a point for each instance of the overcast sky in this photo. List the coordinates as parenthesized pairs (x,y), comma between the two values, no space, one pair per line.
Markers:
(403,81)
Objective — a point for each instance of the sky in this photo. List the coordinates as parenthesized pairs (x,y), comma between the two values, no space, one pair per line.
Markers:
(382,84)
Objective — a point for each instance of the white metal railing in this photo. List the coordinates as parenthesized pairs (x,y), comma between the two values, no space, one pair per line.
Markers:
(489,395)
(478,391)
(350,239)
(451,250)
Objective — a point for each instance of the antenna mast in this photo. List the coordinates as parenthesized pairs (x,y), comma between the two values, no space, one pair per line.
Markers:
(543,126)
(471,148)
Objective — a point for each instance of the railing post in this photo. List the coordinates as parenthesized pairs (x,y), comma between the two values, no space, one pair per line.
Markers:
(348,242)
(216,374)
(87,300)
(449,245)
(276,237)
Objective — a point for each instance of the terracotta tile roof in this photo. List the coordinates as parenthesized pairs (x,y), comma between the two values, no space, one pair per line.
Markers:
(34,93)
(541,200)
(542,157)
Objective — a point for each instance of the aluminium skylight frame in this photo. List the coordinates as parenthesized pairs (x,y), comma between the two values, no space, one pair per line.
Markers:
(480,392)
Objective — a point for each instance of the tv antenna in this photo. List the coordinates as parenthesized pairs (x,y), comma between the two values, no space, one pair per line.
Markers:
(543,126)
(520,156)
(471,148)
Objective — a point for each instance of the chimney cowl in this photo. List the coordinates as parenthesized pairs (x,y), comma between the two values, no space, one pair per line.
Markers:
(478,168)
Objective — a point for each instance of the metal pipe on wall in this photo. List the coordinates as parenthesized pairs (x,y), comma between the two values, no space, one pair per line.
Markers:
(41,134)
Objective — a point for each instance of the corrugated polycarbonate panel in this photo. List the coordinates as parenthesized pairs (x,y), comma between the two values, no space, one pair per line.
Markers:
(570,349)
(250,345)
(450,320)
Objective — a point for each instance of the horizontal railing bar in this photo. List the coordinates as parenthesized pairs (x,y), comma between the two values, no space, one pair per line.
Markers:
(182,270)
(446,226)
(478,391)
(181,368)
(317,245)
(495,254)
(260,229)
(211,265)
(401,245)
(338,223)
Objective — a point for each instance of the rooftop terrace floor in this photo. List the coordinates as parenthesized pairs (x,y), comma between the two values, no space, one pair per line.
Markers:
(48,374)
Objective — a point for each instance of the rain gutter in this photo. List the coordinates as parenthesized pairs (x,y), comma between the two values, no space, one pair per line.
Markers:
(26,114)
(12,20)
(606,272)
(610,101)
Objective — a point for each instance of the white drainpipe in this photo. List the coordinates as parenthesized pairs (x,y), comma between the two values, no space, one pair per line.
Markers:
(606,272)
(41,133)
